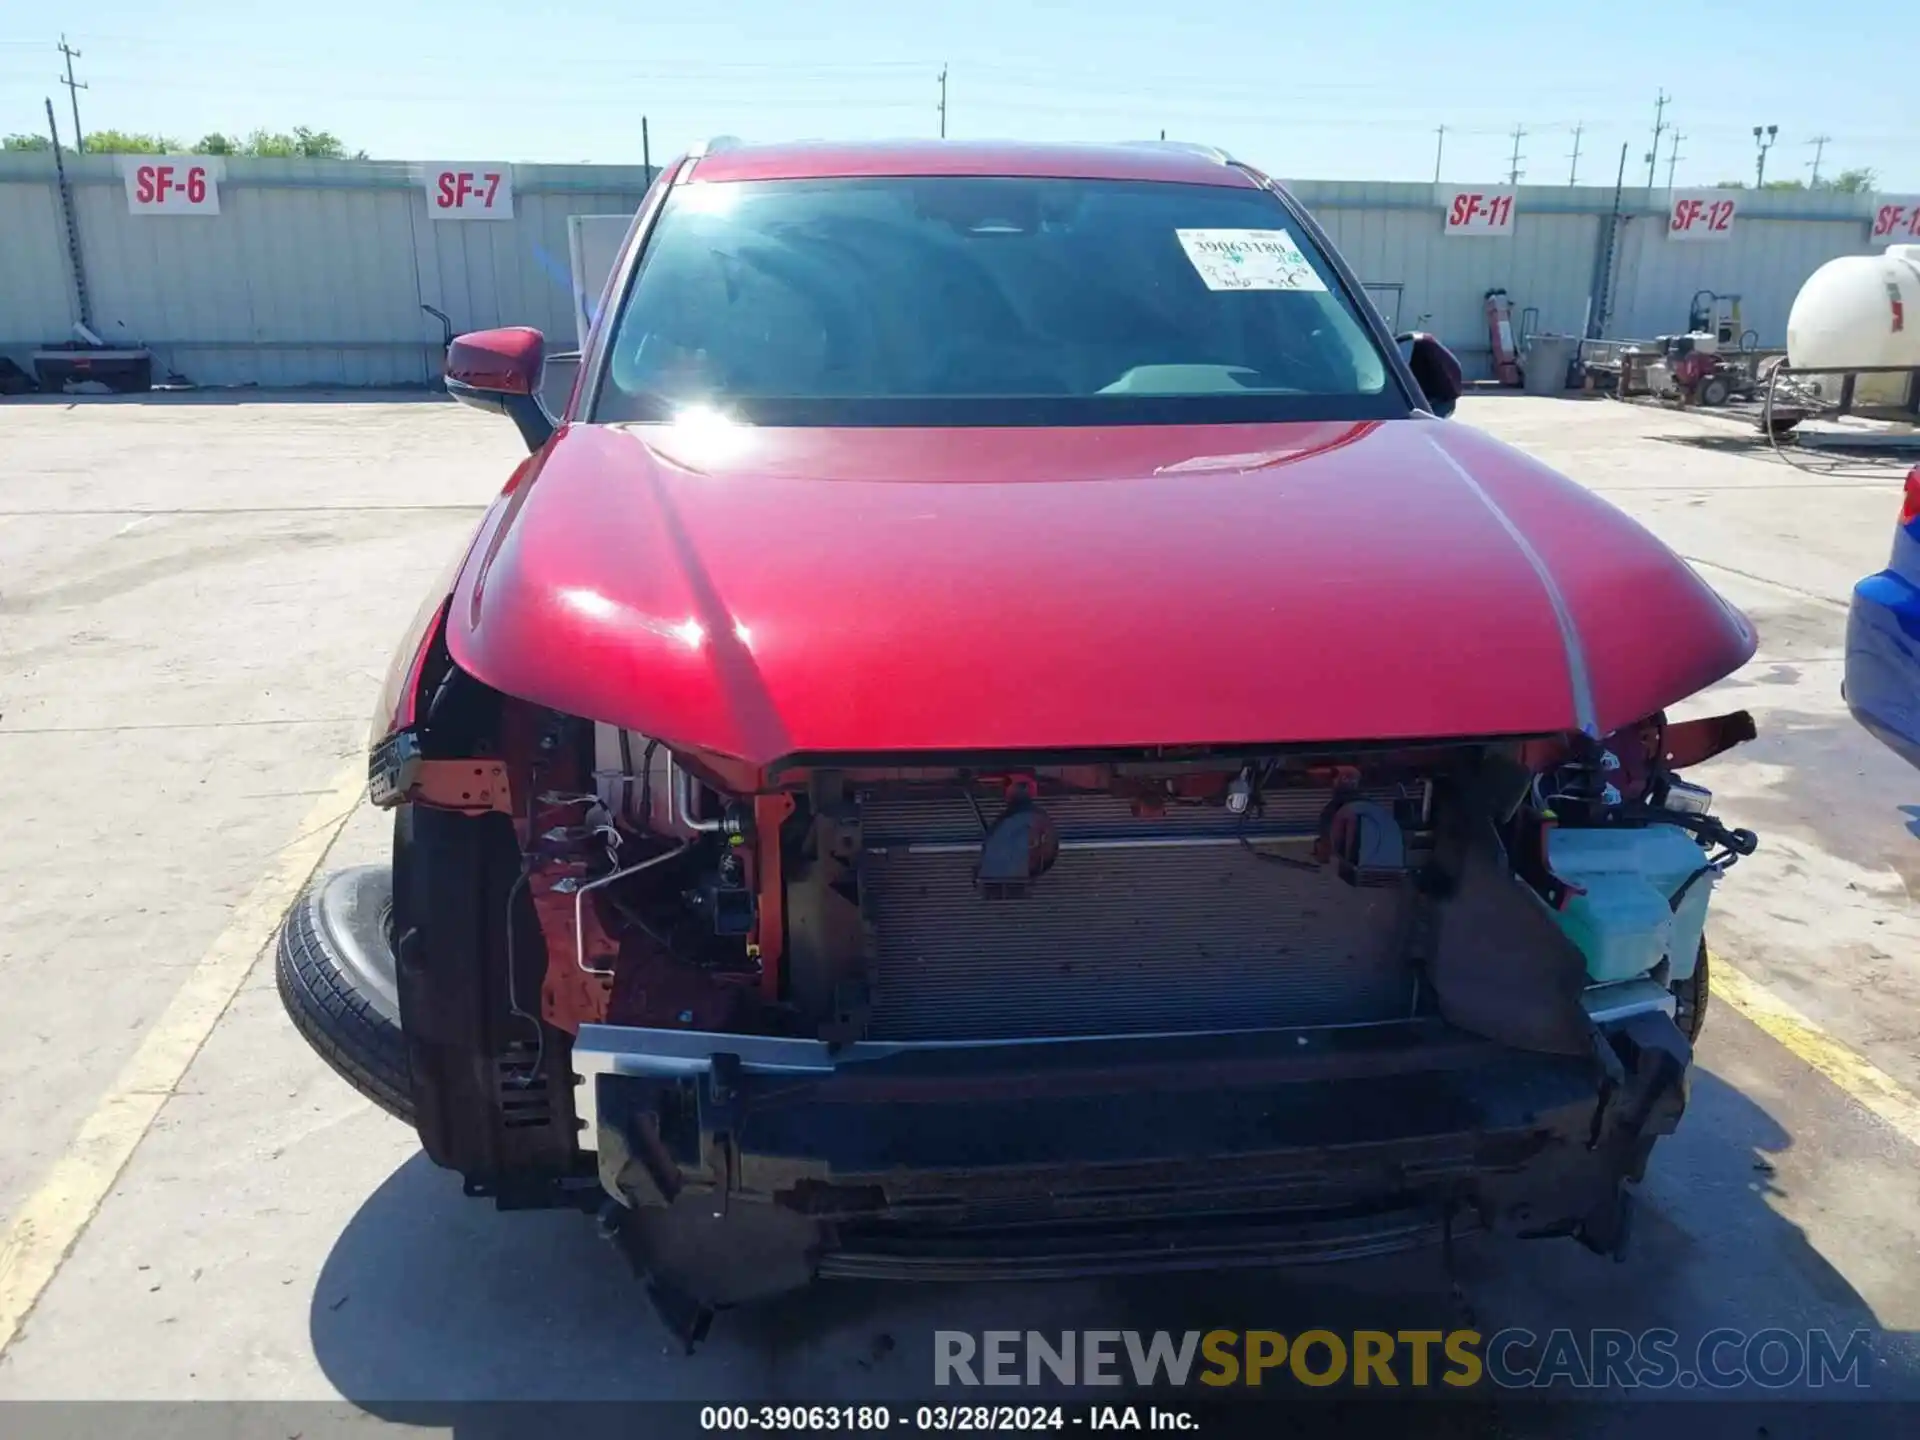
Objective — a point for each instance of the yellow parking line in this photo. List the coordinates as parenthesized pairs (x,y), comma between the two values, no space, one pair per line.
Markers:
(54,1217)
(1865,1081)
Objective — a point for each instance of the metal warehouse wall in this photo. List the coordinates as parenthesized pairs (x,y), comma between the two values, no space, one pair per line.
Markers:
(313,272)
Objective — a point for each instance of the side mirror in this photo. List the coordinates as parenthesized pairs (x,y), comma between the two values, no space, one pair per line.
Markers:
(1435,368)
(500,370)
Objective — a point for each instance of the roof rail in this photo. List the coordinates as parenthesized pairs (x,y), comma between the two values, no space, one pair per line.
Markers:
(1188,147)
(711,145)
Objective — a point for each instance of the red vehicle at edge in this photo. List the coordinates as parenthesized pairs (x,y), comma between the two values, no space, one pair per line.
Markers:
(1001,734)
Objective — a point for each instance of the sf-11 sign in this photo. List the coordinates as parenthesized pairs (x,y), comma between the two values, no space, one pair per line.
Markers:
(1896,219)
(469,192)
(172,184)
(1480,212)
(1702,215)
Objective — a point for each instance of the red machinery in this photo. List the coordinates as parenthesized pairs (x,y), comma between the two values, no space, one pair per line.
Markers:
(1506,362)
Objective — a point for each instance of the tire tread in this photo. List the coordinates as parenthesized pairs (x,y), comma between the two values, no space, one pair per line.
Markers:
(365,1047)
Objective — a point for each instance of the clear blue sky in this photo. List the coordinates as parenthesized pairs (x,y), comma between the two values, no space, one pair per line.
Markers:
(1331,89)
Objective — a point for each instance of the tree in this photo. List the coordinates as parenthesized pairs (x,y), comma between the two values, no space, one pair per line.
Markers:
(302,143)
(1852,182)
(25,142)
(214,143)
(130,142)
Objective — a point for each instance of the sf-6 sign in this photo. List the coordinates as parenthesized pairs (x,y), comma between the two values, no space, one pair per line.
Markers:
(469,192)
(1702,214)
(172,184)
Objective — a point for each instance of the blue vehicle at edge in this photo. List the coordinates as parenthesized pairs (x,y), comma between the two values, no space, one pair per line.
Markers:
(1882,684)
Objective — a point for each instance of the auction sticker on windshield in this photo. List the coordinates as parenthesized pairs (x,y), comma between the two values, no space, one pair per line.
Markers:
(1249,260)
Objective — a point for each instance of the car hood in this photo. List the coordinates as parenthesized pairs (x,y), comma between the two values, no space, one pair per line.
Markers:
(765,593)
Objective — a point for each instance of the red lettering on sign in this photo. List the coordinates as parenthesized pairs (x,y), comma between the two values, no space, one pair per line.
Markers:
(1502,210)
(1685,212)
(197,184)
(443,195)
(1720,215)
(1896,220)
(164,180)
(143,184)
(493,184)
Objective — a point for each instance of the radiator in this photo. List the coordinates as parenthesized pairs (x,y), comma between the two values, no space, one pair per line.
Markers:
(1151,937)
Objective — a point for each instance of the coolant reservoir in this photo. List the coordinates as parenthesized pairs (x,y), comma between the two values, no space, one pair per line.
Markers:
(1625,922)
(1858,312)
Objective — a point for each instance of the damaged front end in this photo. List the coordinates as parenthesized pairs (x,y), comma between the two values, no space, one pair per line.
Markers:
(1069,1014)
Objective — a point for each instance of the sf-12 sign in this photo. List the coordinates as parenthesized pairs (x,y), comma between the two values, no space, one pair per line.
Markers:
(1702,214)
(469,192)
(172,184)
(1480,212)
(1896,219)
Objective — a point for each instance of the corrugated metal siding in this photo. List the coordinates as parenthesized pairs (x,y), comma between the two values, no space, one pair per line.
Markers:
(1395,234)
(314,271)
(36,297)
(1765,263)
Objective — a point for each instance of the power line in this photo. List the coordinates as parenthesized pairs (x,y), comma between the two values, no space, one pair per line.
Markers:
(1514,174)
(74,87)
(1659,126)
(1573,174)
(1819,144)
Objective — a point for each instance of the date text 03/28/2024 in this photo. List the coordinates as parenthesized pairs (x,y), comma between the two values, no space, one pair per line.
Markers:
(935,1419)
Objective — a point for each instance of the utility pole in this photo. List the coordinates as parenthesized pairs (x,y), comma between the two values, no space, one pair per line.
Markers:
(646,150)
(1439,147)
(1514,174)
(1659,128)
(1760,160)
(1573,175)
(74,87)
(1673,157)
(943,102)
(1819,144)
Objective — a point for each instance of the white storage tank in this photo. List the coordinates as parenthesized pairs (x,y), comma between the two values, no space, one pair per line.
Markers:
(1858,312)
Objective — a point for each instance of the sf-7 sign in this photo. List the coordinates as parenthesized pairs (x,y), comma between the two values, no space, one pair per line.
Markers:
(469,192)
(1702,215)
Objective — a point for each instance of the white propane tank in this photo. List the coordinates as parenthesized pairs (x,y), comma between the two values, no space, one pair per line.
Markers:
(1858,312)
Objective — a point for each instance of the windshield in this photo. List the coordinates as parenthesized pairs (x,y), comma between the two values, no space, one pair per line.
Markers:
(979,300)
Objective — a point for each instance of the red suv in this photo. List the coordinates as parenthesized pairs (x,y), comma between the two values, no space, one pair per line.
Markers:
(1000,734)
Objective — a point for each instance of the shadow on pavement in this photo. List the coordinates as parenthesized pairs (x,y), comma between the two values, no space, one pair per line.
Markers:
(429,1300)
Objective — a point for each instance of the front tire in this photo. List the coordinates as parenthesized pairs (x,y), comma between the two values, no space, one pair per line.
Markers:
(1690,999)
(334,969)
(491,1083)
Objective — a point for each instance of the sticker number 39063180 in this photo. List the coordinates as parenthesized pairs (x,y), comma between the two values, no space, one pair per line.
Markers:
(1249,260)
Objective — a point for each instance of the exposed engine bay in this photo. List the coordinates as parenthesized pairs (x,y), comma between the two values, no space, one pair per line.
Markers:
(1004,1016)
(1126,896)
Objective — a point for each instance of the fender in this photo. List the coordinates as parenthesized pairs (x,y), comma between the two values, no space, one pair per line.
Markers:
(421,658)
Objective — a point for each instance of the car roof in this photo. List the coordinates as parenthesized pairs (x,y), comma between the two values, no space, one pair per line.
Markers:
(823,159)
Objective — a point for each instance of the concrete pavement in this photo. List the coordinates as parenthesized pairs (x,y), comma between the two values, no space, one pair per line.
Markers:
(197,597)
